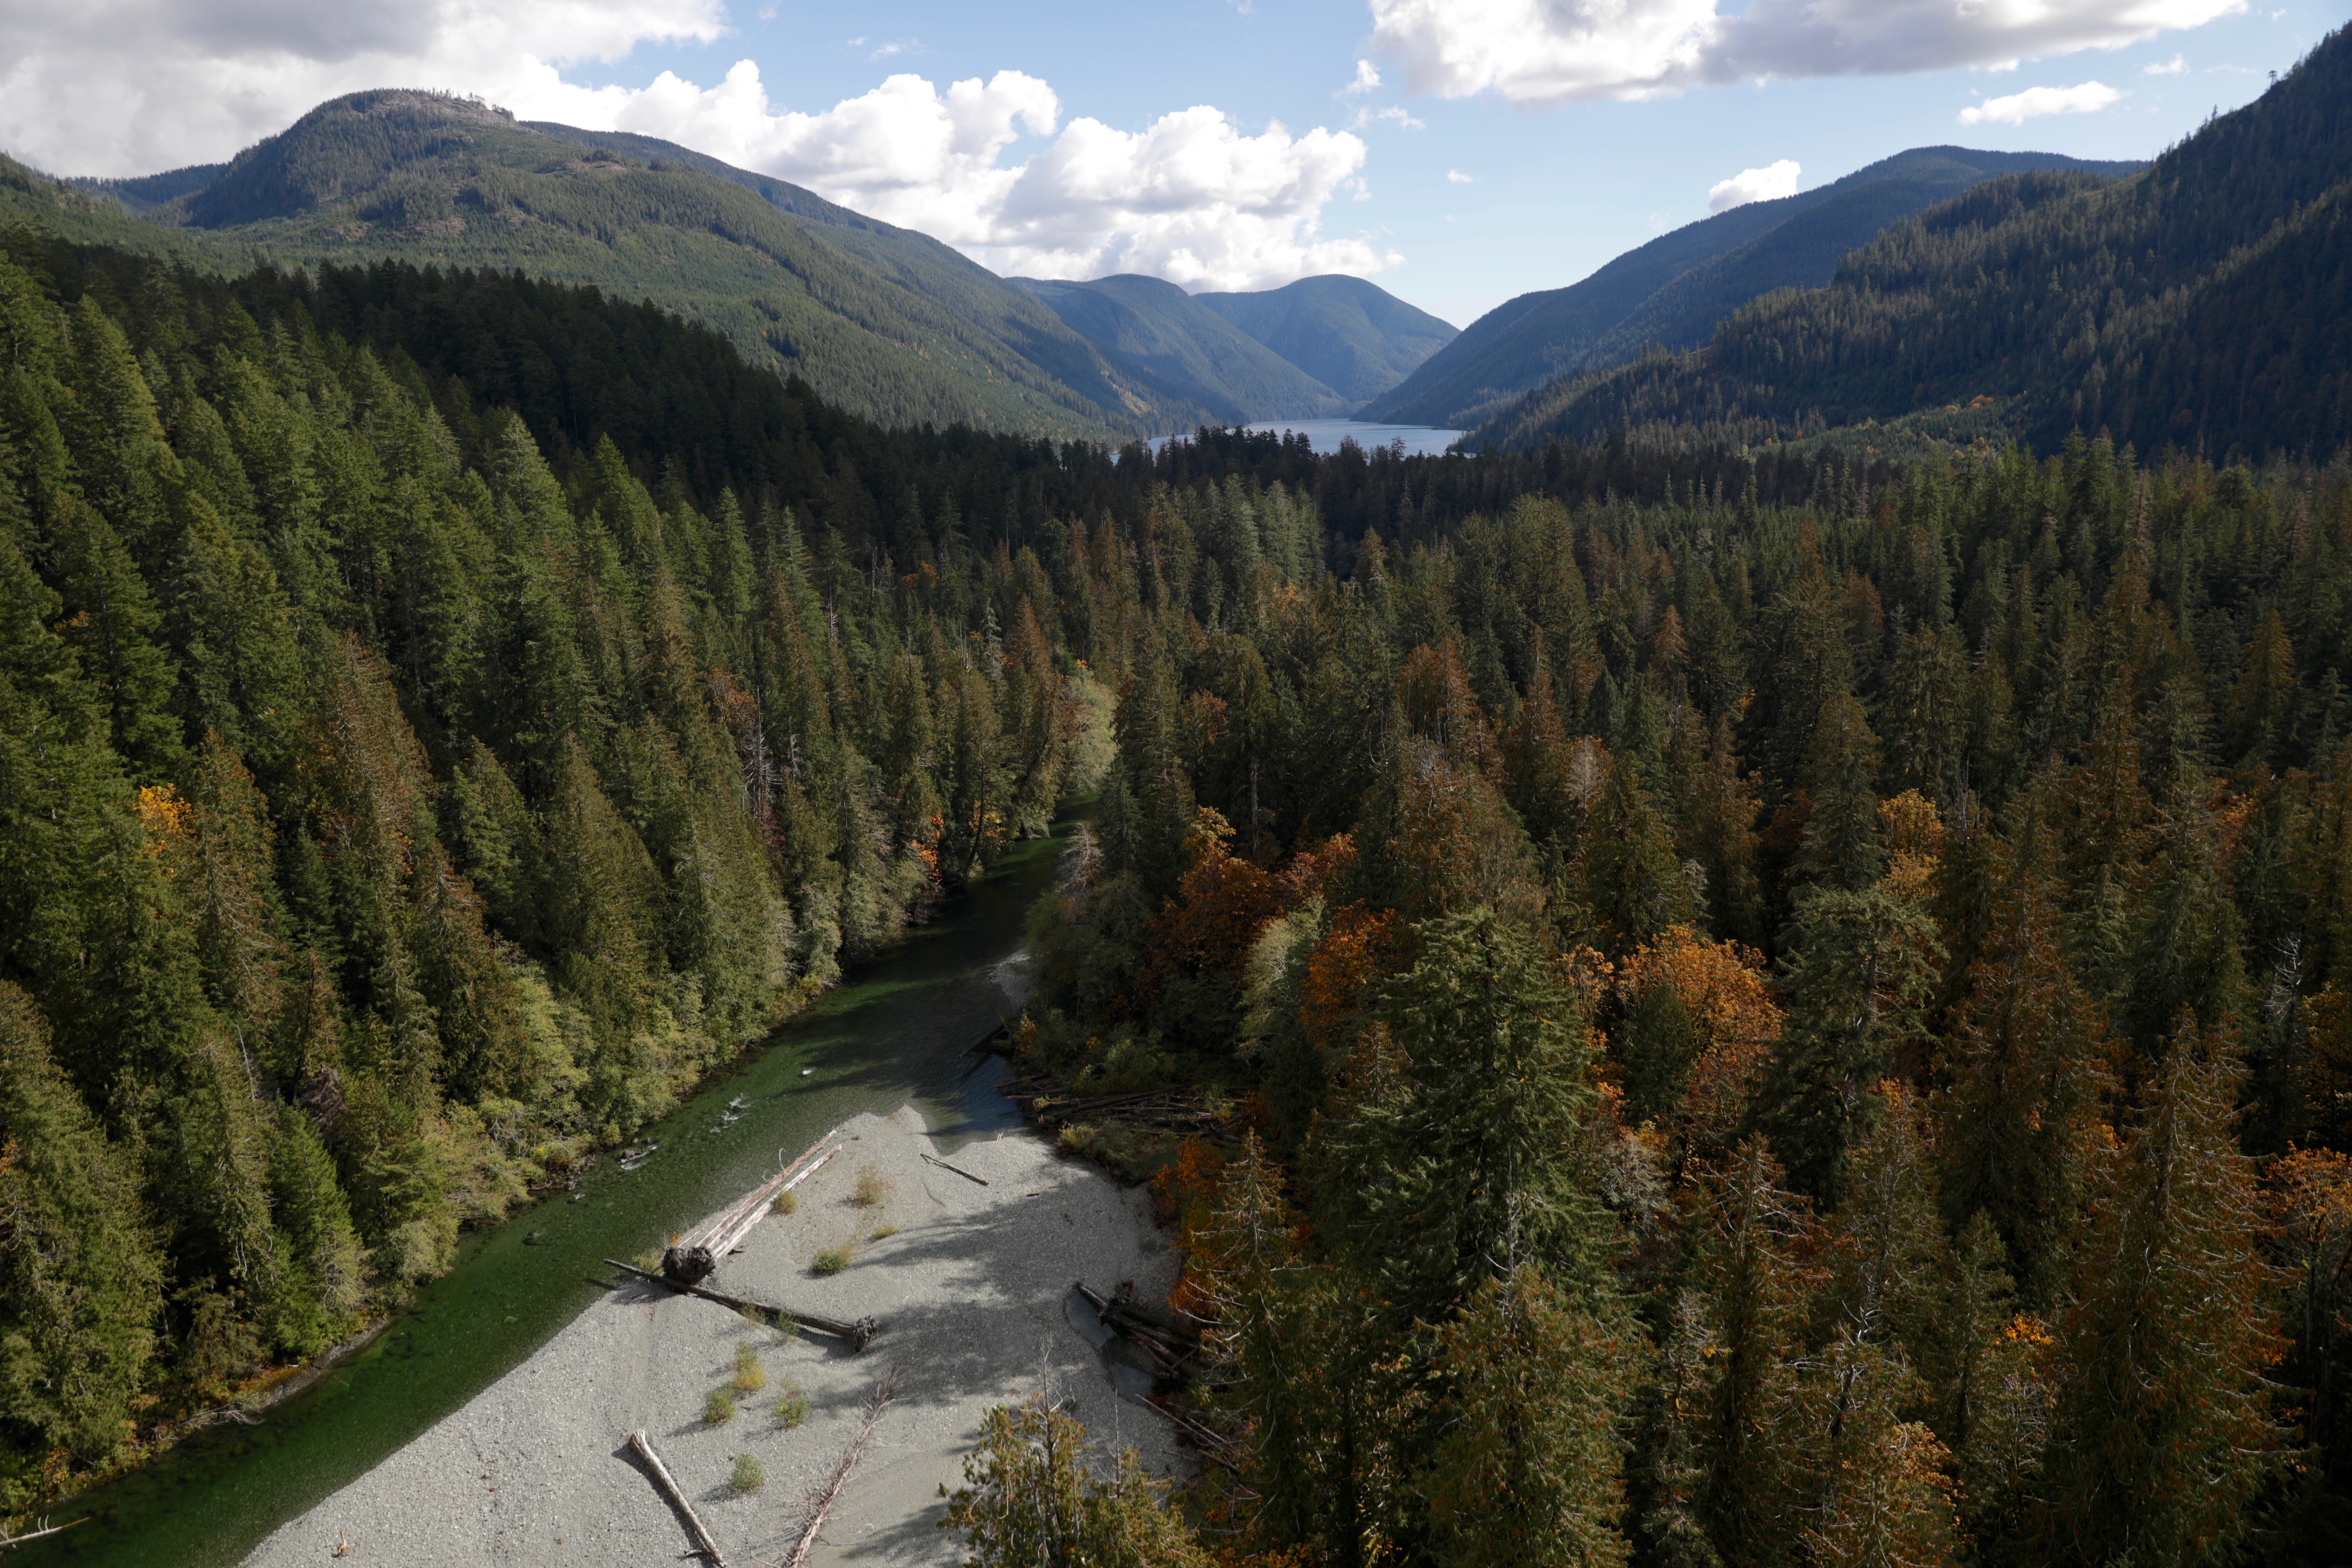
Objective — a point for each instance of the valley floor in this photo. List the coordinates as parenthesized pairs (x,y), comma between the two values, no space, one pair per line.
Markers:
(970,1290)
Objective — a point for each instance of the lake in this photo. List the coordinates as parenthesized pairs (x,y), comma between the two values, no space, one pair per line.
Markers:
(1325,435)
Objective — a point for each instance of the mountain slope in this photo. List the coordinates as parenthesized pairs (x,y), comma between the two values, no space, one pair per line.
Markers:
(1675,289)
(142,193)
(1156,329)
(1354,337)
(2202,302)
(888,323)
(33,204)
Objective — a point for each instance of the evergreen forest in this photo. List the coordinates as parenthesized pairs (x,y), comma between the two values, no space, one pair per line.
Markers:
(1762,1007)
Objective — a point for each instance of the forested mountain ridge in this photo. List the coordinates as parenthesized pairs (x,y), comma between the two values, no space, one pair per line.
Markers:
(32,201)
(1354,337)
(143,192)
(1158,332)
(1673,290)
(882,320)
(2200,304)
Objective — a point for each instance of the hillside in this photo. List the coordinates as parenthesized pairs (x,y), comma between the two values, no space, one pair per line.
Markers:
(2202,303)
(36,203)
(1354,337)
(879,320)
(1160,334)
(1673,290)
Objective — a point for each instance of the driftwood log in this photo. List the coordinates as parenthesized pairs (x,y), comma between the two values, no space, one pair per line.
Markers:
(1168,1111)
(692,1258)
(1173,1351)
(822,1504)
(959,1170)
(47,1529)
(702,1541)
(859,1333)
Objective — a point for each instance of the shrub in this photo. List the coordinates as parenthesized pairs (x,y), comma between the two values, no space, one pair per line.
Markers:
(720,1408)
(748,1477)
(792,1405)
(749,1375)
(787,1202)
(832,1260)
(871,1189)
(883,1232)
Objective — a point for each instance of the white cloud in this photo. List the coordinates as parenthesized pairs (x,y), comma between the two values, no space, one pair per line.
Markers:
(2178,65)
(1768,184)
(1368,79)
(1395,114)
(1191,197)
(2036,102)
(130,86)
(1456,177)
(1538,54)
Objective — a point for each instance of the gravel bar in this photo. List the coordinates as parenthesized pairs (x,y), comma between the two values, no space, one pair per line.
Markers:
(973,1293)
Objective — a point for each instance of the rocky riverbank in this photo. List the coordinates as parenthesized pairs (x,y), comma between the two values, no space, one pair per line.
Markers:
(972,1284)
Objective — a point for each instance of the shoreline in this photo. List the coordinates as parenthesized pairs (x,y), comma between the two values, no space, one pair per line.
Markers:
(972,1284)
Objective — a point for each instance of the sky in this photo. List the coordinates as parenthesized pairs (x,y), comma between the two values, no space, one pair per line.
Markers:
(1457,153)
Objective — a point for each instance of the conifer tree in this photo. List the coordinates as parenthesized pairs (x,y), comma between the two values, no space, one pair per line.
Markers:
(2025,1074)
(1474,1140)
(111,620)
(2161,1431)
(1634,885)
(1748,1289)
(79,1259)
(1861,973)
(1528,1469)
(1030,1496)
(1842,846)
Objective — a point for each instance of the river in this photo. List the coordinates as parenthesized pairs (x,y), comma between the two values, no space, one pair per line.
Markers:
(901,1031)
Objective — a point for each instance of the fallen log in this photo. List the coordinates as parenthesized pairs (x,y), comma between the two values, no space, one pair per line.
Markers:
(959,1170)
(859,1334)
(885,1387)
(644,1451)
(1170,1350)
(696,1255)
(47,1529)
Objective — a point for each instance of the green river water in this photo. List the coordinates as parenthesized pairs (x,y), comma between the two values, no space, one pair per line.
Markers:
(901,1031)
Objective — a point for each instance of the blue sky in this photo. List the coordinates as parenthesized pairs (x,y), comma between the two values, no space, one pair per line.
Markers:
(1510,145)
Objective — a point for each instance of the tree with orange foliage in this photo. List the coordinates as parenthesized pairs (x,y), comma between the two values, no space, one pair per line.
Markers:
(1437,838)
(1700,1024)
(1433,692)
(1201,942)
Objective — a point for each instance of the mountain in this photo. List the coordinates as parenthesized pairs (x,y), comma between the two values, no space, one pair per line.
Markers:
(2205,301)
(880,321)
(1675,289)
(1354,337)
(1158,332)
